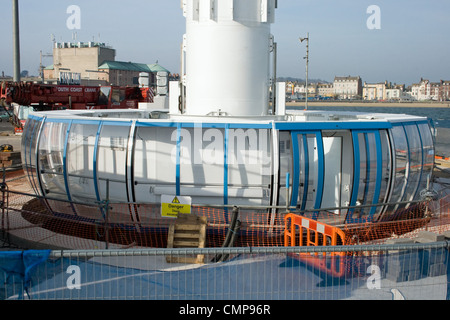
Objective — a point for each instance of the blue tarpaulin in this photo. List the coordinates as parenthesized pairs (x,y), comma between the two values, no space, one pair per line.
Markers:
(18,266)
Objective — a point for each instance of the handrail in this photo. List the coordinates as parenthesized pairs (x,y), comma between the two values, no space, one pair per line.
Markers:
(129,252)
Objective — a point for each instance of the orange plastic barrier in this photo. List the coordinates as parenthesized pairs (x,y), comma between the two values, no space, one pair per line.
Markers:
(302,231)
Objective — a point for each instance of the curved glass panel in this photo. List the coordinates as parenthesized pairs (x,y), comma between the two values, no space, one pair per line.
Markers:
(428,155)
(154,163)
(386,169)
(28,154)
(112,162)
(249,166)
(51,159)
(370,163)
(308,170)
(285,151)
(80,162)
(415,161)
(333,148)
(201,164)
(401,163)
(303,167)
(372,167)
(363,173)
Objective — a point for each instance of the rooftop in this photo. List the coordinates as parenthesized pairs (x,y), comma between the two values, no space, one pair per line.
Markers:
(128,66)
(131,66)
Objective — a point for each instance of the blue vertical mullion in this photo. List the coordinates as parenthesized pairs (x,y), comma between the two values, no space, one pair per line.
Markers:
(305,182)
(367,185)
(321,173)
(296,169)
(356,173)
(423,162)
(408,162)
(379,176)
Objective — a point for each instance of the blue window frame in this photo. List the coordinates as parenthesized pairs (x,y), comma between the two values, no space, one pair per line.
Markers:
(410,161)
(306,169)
(367,174)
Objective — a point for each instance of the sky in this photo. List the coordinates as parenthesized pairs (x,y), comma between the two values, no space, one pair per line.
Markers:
(411,39)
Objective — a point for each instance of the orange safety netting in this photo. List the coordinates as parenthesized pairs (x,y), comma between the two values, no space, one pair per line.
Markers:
(80,226)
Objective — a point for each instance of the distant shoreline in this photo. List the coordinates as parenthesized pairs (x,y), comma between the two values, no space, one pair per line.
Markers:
(371,104)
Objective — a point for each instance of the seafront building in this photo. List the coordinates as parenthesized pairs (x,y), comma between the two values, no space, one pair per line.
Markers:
(325,90)
(348,87)
(444,91)
(396,93)
(352,88)
(374,91)
(425,90)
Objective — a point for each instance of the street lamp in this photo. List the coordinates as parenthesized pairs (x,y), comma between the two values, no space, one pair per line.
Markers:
(307,63)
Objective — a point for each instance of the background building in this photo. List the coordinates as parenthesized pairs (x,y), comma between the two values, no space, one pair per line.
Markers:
(127,73)
(395,93)
(351,88)
(93,63)
(374,91)
(444,93)
(325,90)
(426,90)
(348,87)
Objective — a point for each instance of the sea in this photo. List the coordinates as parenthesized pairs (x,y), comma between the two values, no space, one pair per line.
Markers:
(440,118)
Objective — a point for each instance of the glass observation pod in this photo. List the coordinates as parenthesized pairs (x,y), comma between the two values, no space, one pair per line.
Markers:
(309,160)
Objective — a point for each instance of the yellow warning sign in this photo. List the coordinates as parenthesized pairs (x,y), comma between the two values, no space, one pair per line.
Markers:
(172,206)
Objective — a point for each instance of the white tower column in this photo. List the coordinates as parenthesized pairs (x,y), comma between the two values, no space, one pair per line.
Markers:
(228,45)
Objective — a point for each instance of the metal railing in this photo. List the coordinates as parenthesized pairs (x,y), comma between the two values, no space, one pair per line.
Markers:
(376,272)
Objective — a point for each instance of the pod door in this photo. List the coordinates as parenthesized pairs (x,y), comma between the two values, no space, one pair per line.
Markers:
(307,171)
(371,178)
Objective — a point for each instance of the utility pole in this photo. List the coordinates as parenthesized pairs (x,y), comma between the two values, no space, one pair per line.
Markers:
(41,66)
(16,40)
(307,65)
